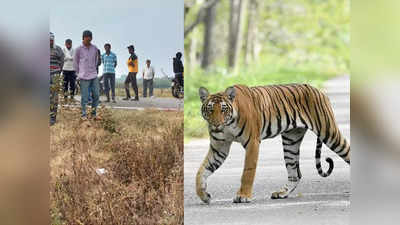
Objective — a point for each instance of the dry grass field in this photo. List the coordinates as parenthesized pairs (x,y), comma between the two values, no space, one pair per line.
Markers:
(157,92)
(142,154)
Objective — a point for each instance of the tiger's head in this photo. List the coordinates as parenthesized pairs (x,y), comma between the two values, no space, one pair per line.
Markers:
(217,109)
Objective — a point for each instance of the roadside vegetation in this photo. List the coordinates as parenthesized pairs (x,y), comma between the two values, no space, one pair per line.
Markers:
(125,168)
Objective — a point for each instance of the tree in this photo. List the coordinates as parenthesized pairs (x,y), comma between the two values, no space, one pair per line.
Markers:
(251,34)
(200,15)
(234,32)
(208,44)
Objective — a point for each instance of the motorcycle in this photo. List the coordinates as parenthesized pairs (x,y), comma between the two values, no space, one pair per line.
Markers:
(176,89)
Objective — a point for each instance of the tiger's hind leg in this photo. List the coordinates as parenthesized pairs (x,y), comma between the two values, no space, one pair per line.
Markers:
(291,141)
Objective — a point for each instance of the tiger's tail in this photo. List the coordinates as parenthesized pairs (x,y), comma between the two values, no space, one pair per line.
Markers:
(318,160)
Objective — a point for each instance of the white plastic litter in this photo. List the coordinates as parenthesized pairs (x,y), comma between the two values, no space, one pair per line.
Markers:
(101,171)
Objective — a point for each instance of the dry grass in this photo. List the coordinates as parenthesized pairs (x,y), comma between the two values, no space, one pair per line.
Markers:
(142,152)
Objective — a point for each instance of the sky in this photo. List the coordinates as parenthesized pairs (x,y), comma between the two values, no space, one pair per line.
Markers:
(154,27)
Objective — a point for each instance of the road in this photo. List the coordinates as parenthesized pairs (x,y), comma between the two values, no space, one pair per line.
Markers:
(143,103)
(316,200)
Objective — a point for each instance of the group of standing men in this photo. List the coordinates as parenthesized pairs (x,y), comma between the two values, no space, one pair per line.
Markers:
(83,62)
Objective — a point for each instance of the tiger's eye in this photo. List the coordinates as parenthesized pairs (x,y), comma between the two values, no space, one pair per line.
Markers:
(224,108)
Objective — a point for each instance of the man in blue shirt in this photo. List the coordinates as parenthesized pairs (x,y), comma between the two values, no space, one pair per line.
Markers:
(109,60)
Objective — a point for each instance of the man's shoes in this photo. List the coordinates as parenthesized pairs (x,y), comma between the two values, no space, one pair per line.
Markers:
(114,101)
(126,99)
(135,99)
(84,118)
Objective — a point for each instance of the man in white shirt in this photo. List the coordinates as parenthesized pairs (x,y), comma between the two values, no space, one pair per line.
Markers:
(68,69)
(148,76)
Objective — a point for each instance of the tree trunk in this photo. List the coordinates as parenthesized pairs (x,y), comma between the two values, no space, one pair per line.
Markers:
(193,51)
(200,15)
(208,44)
(251,33)
(234,32)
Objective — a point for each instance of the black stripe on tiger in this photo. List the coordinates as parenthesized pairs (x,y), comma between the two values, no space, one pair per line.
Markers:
(246,143)
(241,131)
(306,108)
(301,106)
(321,107)
(220,154)
(268,132)
(290,152)
(292,108)
(288,141)
(212,166)
(293,165)
(281,98)
(318,160)
(216,139)
(263,127)
(230,122)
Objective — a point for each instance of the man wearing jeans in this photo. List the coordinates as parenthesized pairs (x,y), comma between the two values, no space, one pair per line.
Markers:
(109,60)
(148,76)
(85,64)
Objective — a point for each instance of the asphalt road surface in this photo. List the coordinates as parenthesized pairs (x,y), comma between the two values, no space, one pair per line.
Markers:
(316,200)
(143,103)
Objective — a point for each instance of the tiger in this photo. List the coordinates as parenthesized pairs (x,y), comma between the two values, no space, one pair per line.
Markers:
(249,115)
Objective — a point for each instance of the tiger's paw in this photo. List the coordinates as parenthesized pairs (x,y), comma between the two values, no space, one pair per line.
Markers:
(205,197)
(279,195)
(241,199)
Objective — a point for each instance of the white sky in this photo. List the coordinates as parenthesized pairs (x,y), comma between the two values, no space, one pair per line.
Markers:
(154,27)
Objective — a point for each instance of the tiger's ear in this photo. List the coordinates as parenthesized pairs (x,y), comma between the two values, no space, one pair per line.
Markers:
(231,92)
(203,93)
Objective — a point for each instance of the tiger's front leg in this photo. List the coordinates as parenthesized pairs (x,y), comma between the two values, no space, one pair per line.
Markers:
(249,171)
(218,152)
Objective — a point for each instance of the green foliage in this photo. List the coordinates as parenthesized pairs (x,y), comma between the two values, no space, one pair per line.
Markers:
(297,32)
(297,41)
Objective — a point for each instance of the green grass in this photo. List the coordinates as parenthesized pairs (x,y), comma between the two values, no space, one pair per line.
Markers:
(196,127)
